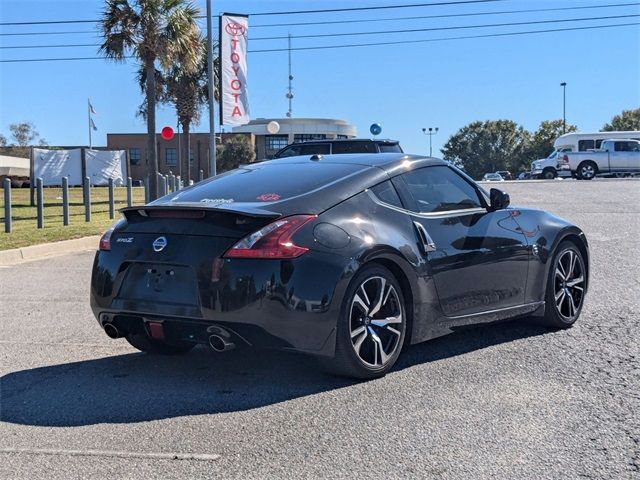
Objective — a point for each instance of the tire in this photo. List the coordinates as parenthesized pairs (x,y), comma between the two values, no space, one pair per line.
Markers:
(566,286)
(587,170)
(373,306)
(548,174)
(149,345)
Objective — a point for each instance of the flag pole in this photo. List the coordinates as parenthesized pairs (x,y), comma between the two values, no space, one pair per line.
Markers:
(89,118)
(212,129)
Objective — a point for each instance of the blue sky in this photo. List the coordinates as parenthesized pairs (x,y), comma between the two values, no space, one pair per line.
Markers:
(444,84)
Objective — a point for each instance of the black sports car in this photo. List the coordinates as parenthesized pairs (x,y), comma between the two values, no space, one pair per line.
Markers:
(346,257)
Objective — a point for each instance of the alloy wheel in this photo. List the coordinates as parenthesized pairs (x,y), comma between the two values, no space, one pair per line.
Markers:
(376,321)
(587,171)
(569,283)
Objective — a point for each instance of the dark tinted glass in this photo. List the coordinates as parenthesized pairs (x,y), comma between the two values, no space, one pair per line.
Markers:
(288,152)
(389,148)
(266,183)
(584,145)
(386,192)
(315,149)
(440,189)
(354,147)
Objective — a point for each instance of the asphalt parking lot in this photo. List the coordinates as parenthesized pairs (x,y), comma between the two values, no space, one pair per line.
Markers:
(503,401)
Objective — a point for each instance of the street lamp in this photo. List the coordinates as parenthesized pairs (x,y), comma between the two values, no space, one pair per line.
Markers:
(431,131)
(564,106)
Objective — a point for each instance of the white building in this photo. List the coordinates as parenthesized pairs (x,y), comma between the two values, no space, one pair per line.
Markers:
(293,130)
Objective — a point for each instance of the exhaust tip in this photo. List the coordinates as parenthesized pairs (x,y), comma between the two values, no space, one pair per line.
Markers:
(219,344)
(111,330)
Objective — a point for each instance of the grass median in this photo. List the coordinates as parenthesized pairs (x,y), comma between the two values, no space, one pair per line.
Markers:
(24,216)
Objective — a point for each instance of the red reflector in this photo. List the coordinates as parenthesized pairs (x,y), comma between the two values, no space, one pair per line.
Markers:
(273,241)
(156,330)
(175,213)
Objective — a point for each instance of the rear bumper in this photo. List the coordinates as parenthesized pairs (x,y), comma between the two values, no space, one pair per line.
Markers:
(288,304)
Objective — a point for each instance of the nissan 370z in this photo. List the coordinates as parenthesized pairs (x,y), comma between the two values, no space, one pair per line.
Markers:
(347,257)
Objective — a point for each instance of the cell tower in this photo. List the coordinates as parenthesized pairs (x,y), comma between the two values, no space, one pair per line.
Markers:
(289,94)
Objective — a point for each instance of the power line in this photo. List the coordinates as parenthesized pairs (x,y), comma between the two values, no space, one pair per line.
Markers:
(449,15)
(45,33)
(382,32)
(434,29)
(370,44)
(298,12)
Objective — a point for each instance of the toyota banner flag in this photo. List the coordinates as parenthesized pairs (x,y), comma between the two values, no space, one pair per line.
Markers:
(234,101)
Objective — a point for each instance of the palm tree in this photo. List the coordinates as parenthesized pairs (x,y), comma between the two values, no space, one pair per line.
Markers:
(188,92)
(154,31)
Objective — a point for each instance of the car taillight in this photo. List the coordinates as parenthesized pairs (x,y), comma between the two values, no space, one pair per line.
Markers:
(105,240)
(272,241)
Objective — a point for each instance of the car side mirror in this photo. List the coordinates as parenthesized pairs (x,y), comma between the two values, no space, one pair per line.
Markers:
(499,199)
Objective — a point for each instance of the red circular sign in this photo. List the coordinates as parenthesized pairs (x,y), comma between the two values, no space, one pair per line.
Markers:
(167,133)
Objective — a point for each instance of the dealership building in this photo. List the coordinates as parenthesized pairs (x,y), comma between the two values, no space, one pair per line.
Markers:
(268,135)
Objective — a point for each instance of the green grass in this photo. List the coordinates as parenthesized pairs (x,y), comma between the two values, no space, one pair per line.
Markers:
(25,231)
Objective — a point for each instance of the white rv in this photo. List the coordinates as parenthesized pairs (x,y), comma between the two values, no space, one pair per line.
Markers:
(574,142)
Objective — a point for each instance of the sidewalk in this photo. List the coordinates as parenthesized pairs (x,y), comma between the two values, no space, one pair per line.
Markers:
(36,252)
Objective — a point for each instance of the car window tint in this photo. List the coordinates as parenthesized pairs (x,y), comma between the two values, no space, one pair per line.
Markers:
(386,193)
(584,145)
(354,147)
(315,149)
(389,148)
(440,189)
(289,152)
(266,182)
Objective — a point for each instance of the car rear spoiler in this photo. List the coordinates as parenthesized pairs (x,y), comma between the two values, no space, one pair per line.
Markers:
(195,210)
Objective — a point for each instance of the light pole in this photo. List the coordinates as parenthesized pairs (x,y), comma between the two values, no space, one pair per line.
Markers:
(564,106)
(431,131)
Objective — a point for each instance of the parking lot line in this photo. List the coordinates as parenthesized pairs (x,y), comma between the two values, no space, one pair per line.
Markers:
(112,453)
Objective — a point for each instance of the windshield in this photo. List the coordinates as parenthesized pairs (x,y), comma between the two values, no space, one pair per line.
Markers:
(552,155)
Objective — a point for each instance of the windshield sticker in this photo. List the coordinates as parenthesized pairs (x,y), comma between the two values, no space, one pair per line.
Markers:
(268,197)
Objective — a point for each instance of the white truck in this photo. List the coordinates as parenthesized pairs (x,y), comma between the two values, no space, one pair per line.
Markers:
(548,168)
(614,157)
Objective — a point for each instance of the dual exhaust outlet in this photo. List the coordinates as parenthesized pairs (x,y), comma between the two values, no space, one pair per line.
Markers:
(216,342)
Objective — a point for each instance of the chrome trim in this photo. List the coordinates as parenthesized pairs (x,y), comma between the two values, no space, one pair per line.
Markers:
(450,213)
(427,242)
(498,310)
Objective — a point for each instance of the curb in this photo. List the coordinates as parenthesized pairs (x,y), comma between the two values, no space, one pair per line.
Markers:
(16,256)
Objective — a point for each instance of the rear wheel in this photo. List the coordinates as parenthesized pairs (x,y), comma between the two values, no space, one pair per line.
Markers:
(566,286)
(587,170)
(372,325)
(149,345)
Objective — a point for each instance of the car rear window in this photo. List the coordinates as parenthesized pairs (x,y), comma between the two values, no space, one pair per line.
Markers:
(389,148)
(310,149)
(266,183)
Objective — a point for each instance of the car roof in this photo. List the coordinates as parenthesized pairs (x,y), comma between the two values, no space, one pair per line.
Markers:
(391,163)
(340,140)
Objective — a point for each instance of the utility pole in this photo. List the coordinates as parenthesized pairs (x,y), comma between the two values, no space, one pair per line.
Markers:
(564,107)
(289,94)
(431,131)
(212,132)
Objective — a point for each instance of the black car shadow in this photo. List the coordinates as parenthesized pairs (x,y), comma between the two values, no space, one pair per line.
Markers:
(138,387)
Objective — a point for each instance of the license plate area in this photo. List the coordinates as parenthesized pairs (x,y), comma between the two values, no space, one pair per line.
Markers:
(162,283)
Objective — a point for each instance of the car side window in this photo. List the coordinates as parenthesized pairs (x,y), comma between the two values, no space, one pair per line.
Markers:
(440,189)
(289,152)
(315,149)
(354,147)
(386,193)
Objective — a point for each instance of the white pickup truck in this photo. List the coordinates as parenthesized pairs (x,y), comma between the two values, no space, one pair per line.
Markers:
(615,157)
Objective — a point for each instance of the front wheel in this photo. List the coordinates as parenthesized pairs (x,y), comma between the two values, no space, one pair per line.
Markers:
(149,345)
(566,286)
(372,325)
(549,174)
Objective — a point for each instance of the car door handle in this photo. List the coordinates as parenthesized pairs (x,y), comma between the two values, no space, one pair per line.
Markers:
(427,243)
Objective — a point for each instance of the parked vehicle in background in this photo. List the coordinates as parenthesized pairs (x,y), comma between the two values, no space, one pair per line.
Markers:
(338,146)
(492,177)
(548,168)
(616,157)
(505,174)
(524,176)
